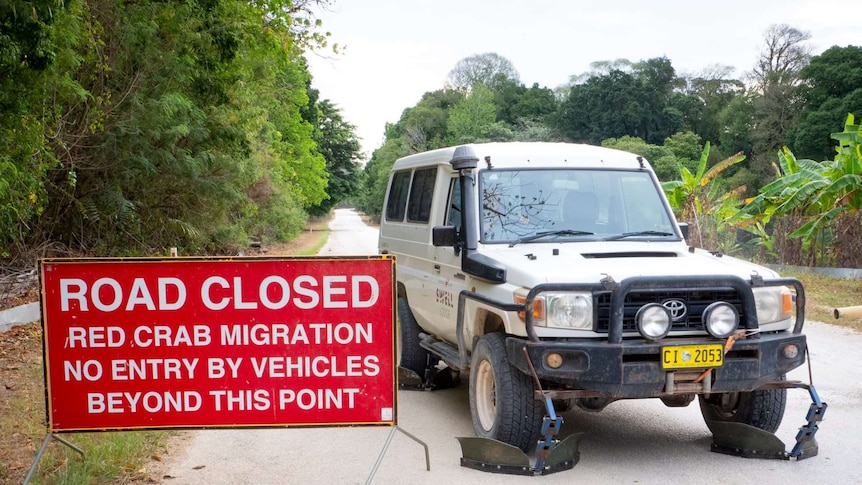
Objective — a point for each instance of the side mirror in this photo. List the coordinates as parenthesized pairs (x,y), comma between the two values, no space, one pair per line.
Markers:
(444,235)
(683,228)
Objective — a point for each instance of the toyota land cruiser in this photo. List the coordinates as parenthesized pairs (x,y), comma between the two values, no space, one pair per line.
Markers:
(562,265)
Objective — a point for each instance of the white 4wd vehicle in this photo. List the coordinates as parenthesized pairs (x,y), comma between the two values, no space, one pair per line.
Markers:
(565,262)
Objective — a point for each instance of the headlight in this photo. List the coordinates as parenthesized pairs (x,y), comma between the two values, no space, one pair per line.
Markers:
(561,310)
(720,319)
(654,321)
(570,310)
(773,303)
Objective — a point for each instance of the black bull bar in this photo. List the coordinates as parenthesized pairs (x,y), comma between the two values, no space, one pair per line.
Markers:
(618,294)
(751,441)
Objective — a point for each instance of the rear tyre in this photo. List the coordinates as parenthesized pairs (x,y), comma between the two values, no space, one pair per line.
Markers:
(412,355)
(501,397)
(762,409)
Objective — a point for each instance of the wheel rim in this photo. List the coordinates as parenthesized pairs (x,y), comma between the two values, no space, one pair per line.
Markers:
(486,395)
(727,406)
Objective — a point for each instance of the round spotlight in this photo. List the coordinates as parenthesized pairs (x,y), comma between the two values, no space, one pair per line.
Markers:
(654,321)
(720,319)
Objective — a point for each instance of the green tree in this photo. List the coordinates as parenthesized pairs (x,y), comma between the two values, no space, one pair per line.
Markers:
(831,87)
(148,124)
(619,103)
(336,141)
(473,118)
(776,106)
(424,125)
(518,104)
(638,146)
(704,96)
(735,123)
(39,46)
(681,149)
(602,107)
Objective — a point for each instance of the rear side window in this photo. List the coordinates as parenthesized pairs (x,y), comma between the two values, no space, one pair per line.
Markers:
(421,194)
(398,196)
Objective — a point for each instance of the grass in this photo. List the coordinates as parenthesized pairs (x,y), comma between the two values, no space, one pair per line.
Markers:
(306,244)
(823,294)
(117,456)
(109,456)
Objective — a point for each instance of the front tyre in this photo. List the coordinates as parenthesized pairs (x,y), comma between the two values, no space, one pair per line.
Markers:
(762,409)
(501,396)
(412,355)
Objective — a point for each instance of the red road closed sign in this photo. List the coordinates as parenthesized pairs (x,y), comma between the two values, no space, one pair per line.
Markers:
(205,342)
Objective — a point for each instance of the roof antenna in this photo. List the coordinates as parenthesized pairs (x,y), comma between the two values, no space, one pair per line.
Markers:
(640,161)
(488,161)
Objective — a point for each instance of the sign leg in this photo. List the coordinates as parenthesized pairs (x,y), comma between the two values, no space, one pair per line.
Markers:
(386,447)
(42,452)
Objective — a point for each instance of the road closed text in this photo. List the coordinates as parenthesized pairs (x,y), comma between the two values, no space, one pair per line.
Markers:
(274,292)
(219,343)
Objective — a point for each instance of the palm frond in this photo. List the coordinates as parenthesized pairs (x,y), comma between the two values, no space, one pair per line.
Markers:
(720,167)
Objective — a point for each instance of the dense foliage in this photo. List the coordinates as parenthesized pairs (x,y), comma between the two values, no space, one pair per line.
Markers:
(723,146)
(130,127)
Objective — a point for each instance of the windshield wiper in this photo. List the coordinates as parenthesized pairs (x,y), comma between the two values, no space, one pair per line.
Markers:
(638,233)
(539,235)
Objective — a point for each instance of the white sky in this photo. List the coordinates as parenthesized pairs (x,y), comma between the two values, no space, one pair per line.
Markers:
(396,50)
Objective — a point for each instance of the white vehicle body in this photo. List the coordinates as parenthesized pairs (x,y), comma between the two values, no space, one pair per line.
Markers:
(582,238)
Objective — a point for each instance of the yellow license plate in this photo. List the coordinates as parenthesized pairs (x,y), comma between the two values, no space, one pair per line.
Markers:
(686,356)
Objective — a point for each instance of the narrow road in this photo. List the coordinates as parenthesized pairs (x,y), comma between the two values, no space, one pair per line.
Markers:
(639,441)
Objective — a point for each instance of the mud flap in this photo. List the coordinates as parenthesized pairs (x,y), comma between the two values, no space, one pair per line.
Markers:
(494,456)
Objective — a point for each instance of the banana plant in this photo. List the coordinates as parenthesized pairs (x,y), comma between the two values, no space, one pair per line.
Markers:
(817,192)
(697,198)
(841,191)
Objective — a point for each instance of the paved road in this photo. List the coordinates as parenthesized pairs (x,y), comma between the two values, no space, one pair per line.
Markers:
(630,442)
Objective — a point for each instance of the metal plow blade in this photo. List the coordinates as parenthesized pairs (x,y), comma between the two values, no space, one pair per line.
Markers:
(407,379)
(749,442)
(494,456)
(739,439)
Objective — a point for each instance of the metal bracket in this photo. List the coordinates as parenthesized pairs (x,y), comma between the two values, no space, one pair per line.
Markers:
(740,439)
(805,437)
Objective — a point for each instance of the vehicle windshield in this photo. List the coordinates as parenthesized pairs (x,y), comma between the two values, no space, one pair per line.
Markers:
(570,204)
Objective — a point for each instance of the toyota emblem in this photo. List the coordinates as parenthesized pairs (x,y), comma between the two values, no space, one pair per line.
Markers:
(676,308)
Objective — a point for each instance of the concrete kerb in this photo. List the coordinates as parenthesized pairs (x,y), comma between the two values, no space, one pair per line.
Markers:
(19,315)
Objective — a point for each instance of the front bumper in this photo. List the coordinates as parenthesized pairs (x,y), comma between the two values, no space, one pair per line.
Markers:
(632,368)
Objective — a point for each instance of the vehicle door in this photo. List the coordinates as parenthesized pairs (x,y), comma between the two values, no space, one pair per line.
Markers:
(447,279)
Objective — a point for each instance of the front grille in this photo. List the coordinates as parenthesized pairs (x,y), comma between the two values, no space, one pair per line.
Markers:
(695,301)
